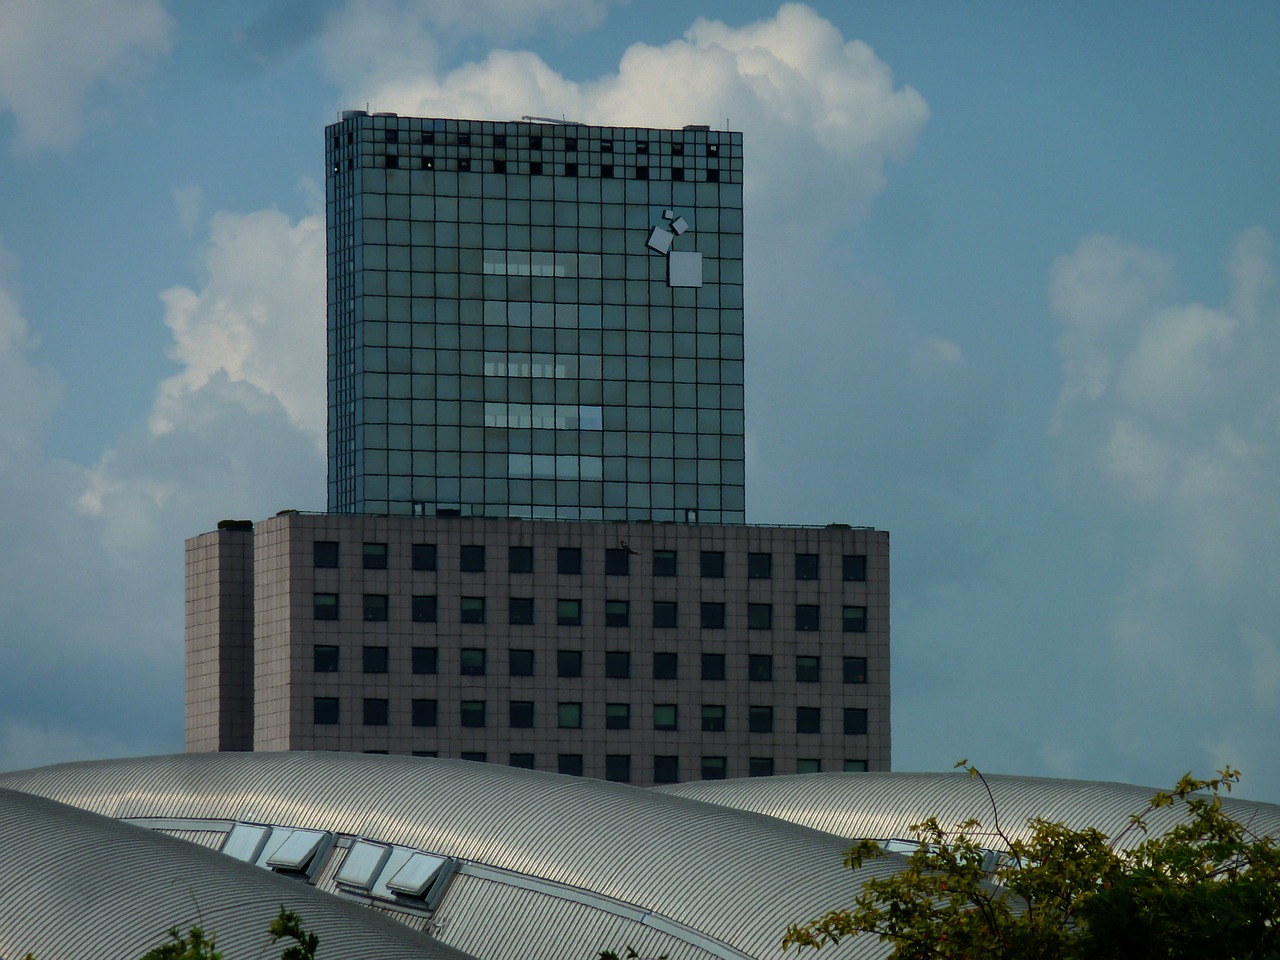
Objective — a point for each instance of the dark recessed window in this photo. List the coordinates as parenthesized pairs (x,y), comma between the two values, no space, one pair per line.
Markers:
(375,712)
(854,567)
(760,767)
(464,139)
(424,609)
(499,139)
(464,164)
(855,721)
(713,718)
(642,173)
(806,566)
(666,769)
(665,613)
(713,616)
(677,149)
(617,767)
(617,613)
(471,559)
(570,144)
(855,669)
(570,169)
(665,563)
(664,716)
(324,553)
(712,564)
(713,149)
(472,610)
(376,606)
(499,166)
(569,560)
(714,768)
(472,713)
(569,764)
(428,137)
(855,766)
(535,143)
(642,148)
(606,146)
(677,173)
(713,666)
(392,162)
(426,753)
(475,756)
(424,556)
(854,619)
(569,716)
(759,566)
(568,663)
(426,660)
(664,666)
(324,606)
(759,616)
(520,611)
(428,163)
(617,665)
(425,713)
(617,716)
(472,662)
(606,171)
(535,168)
(809,765)
(760,666)
(806,616)
(808,720)
(713,176)
(808,669)
(760,719)
(520,559)
(520,663)
(521,714)
(391,136)
(617,562)
(324,710)
(376,660)
(522,760)
(325,659)
(569,613)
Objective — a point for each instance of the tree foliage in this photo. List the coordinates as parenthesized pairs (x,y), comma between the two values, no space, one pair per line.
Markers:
(197,945)
(1209,887)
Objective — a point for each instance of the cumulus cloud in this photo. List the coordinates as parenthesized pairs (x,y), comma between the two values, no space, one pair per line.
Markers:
(53,56)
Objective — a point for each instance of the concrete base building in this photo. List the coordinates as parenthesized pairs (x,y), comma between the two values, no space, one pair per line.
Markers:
(642,653)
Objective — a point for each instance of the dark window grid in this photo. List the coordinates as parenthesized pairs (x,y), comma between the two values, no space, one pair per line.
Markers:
(855,721)
(376,607)
(712,616)
(423,556)
(665,666)
(666,768)
(665,563)
(853,619)
(853,568)
(807,567)
(324,554)
(713,666)
(807,616)
(424,713)
(472,662)
(855,669)
(569,764)
(375,659)
(569,663)
(472,713)
(425,609)
(522,760)
(760,767)
(374,556)
(713,718)
(324,606)
(617,613)
(617,767)
(325,711)
(520,559)
(617,665)
(617,716)
(471,559)
(759,616)
(375,711)
(472,610)
(808,720)
(569,613)
(760,667)
(520,611)
(426,660)
(666,614)
(714,768)
(569,561)
(712,564)
(521,714)
(326,658)
(759,566)
(569,716)
(808,669)
(617,562)
(520,663)
(760,719)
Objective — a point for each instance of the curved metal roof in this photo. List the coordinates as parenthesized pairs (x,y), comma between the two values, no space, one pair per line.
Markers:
(722,882)
(883,806)
(79,886)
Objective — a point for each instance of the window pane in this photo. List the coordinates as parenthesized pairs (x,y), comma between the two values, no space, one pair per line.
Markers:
(854,567)
(806,566)
(521,714)
(375,712)
(760,767)
(665,613)
(520,610)
(806,616)
(325,710)
(424,556)
(855,766)
(325,553)
(569,560)
(854,619)
(714,768)
(520,559)
(760,720)
(664,716)
(473,662)
(375,556)
(375,606)
(713,718)
(666,769)
(424,609)
(326,659)
(425,660)
(472,610)
(472,713)
(855,721)
(808,720)
(809,765)
(617,562)
(713,666)
(522,760)
(617,716)
(712,563)
(759,566)
(424,713)
(664,666)
(569,764)
(472,559)
(617,665)
(325,606)
(713,616)
(617,613)
(617,767)
(808,669)
(664,563)
(855,669)
(569,663)
(760,666)
(375,659)
(521,663)
(569,613)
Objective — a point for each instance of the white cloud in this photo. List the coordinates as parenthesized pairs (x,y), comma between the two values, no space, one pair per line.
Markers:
(53,56)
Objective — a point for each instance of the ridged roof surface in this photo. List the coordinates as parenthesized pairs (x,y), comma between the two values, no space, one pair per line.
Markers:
(79,886)
(735,877)
(883,806)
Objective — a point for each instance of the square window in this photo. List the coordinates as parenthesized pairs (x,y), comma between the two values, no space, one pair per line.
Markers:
(472,712)
(520,559)
(806,616)
(808,720)
(520,611)
(472,610)
(855,721)
(854,619)
(617,767)
(324,553)
(471,559)
(376,660)
(713,666)
(569,663)
(664,666)
(606,146)
(570,144)
(642,173)
(759,616)
(568,716)
(475,756)
(617,716)
(324,711)
(664,716)
(424,713)
(472,662)
(424,609)
(713,616)
(855,669)
(664,563)
(760,666)
(809,765)
(500,166)
(324,606)
(617,562)
(617,665)
(606,171)
(806,566)
(569,764)
(855,766)
(521,663)
(853,567)
(666,769)
(570,169)
(760,767)
(569,560)
(522,760)
(617,613)
(375,556)
(760,719)
(375,606)
(713,718)
(521,714)
(714,768)
(375,712)
(325,658)
(759,566)
(569,613)
(425,660)
(712,564)
(424,556)
(808,670)
(535,168)
(665,613)
(535,143)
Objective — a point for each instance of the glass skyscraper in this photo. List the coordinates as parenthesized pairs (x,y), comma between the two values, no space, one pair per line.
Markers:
(534,319)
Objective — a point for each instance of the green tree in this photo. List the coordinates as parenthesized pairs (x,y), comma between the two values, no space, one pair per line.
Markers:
(197,945)
(1207,888)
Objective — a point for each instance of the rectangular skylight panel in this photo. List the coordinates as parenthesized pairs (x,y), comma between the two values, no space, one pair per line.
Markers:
(245,841)
(297,849)
(363,861)
(416,875)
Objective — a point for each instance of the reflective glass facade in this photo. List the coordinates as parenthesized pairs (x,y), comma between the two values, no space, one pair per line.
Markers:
(534,320)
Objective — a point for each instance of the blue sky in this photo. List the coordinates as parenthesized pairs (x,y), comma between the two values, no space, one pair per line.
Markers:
(1011,296)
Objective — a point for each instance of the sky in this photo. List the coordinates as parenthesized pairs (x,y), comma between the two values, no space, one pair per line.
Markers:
(1011,295)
